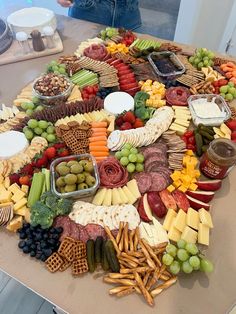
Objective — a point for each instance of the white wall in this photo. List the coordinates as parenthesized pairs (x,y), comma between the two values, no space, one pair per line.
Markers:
(202,22)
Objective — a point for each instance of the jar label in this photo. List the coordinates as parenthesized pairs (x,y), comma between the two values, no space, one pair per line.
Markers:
(213,170)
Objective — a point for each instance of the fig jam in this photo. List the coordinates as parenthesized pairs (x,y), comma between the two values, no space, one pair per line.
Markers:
(219,159)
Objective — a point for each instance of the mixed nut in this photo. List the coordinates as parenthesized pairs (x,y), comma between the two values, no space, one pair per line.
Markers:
(51,85)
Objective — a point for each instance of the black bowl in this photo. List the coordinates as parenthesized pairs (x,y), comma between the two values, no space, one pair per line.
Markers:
(6,36)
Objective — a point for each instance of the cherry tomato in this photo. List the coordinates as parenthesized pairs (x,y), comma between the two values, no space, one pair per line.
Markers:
(188,134)
(184,139)
(89,90)
(191,140)
(231,124)
(191,147)
(215,84)
(233,135)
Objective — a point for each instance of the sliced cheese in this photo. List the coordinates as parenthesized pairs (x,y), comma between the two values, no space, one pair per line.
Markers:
(205,218)
(18,196)
(107,198)
(123,197)
(144,235)
(178,128)
(174,234)
(182,122)
(116,200)
(15,224)
(5,196)
(159,233)
(203,234)
(99,197)
(192,219)
(132,199)
(133,187)
(171,214)
(218,132)
(180,220)
(189,235)
(20,204)
(25,189)
(13,188)
(225,129)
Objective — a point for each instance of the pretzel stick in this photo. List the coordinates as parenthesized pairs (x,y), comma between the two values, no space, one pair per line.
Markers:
(151,252)
(136,238)
(125,292)
(125,255)
(129,262)
(144,291)
(108,231)
(126,282)
(118,289)
(145,252)
(125,264)
(137,269)
(146,277)
(120,276)
(137,290)
(126,237)
(164,277)
(131,242)
(118,237)
(156,275)
(137,254)
(161,287)
(121,243)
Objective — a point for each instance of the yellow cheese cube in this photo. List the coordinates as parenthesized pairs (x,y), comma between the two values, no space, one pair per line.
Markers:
(203,234)
(194,161)
(21,211)
(189,235)
(171,188)
(5,196)
(186,179)
(15,224)
(192,219)
(25,189)
(180,220)
(189,152)
(186,160)
(18,196)
(177,183)
(193,187)
(176,175)
(183,188)
(171,214)
(14,188)
(174,234)
(20,204)
(197,173)
(205,218)
(190,169)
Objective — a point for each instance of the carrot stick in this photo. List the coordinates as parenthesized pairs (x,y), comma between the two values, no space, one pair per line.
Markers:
(98,143)
(99,154)
(100,130)
(99,134)
(99,124)
(99,159)
(97,139)
(98,149)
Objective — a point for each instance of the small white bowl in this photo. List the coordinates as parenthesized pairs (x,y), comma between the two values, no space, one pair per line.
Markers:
(28,19)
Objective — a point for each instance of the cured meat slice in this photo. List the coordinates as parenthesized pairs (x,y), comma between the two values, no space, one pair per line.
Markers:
(94,231)
(74,230)
(159,182)
(168,200)
(150,151)
(144,181)
(112,173)
(181,200)
(177,96)
(115,232)
(84,237)
(154,164)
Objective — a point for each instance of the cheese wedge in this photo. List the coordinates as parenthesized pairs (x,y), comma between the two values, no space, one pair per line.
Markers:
(205,218)
(189,235)
(116,200)
(203,234)
(99,197)
(192,219)
(180,220)
(133,187)
(107,198)
(123,197)
(174,234)
(131,198)
(171,214)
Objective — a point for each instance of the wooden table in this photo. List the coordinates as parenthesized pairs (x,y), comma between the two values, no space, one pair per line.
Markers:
(193,294)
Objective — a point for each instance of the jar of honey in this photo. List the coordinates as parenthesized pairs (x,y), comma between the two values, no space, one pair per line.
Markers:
(219,159)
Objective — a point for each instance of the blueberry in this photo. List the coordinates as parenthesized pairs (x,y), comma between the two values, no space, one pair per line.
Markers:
(29,242)
(38,247)
(52,230)
(45,236)
(21,244)
(43,245)
(26,225)
(47,252)
(52,242)
(38,237)
(55,236)
(33,246)
(32,253)
(38,255)
(43,258)
(26,249)
(59,230)
(23,235)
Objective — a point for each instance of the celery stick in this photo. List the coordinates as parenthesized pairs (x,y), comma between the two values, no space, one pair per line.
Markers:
(46,172)
(36,188)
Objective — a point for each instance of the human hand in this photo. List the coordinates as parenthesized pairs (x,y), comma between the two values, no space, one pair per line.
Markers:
(65,3)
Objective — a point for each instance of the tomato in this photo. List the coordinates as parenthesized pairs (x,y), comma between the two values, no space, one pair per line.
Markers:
(127,81)
(217,90)
(89,90)
(184,139)
(231,124)
(191,140)
(24,180)
(215,84)
(191,147)
(233,135)
(128,86)
(222,82)
(188,134)
(95,89)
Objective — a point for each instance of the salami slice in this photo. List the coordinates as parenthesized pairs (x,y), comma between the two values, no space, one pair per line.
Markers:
(112,173)
(94,231)
(177,95)
(150,151)
(84,237)
(144,181)
(74,230)
(159,182)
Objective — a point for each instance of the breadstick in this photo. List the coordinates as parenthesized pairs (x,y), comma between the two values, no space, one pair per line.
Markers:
(108,231)
(125,292)
(137,269)
(145,252)
(132,258)
(144,291)
(128,261)
(151,252)
(131,243)
(137,254)
(126,237)
(118,237)
(163,286)
(120,276)
(126,282)
(164,277)
(156,275)
(146,277)
(121,243)
(136,238)
(118,289)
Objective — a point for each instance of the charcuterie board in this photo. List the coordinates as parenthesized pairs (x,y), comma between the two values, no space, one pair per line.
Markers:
(16,54)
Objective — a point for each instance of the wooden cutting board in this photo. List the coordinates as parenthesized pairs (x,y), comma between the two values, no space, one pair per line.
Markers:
(15,52)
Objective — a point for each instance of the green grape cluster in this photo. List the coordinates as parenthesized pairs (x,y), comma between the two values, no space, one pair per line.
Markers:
(228,91)
(186,257)
(109,32)
(202,58)
(130,158)
(31,106)
(40,128)
(56,68)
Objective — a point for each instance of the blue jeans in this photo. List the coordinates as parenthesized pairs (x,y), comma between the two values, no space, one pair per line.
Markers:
(116,13)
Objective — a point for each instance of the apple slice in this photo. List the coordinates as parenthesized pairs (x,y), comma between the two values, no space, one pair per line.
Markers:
(212,185)
(144,213)
(203,196)
(196,204)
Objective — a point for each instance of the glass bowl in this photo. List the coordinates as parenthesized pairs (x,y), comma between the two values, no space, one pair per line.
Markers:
(6,36)
(212,121)
(79,193)
(53,100)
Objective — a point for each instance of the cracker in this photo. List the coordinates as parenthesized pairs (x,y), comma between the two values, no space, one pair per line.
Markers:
(79,250)
(54,262)
(79,267)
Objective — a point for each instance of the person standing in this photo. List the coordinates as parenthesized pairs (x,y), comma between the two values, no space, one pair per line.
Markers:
(115,13)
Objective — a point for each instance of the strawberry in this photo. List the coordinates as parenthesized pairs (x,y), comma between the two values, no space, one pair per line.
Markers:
(119,121)
(138,123)
(126,126)
(25,180)
(14,178)
(233,135)
(58,145)
(63,152)
(50,152)
(42,161)
(27,169)
(129,117)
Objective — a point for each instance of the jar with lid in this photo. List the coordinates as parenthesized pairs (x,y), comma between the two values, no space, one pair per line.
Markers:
(219,159)
(22,39)
(49,35)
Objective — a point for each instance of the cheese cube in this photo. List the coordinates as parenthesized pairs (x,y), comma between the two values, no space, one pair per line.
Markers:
(189,235)
(176,175)
(25,189)
(171,214)
(20,204)
(15,224)
(14,188)
(170,188)
(183,188)
(174,234)
(203,234)
(5,196)
(180,220)
(193,187)
(177,183)
(192,219)
(21,211)
(18,196)
(205,218)
(189,152)
(133,187)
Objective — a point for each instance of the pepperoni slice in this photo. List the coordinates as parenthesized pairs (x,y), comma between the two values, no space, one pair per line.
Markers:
(177,96)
